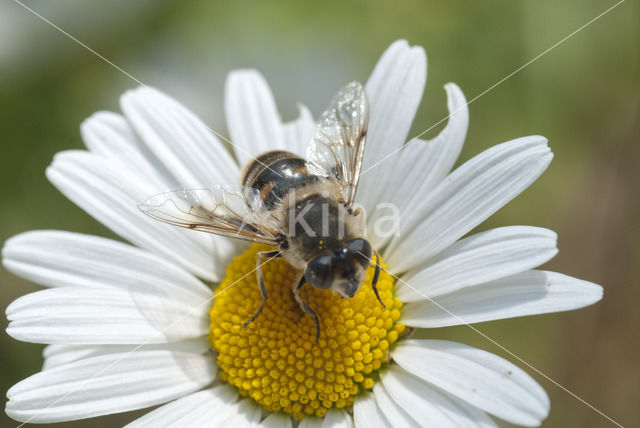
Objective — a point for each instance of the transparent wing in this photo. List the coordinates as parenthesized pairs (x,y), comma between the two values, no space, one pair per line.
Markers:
(232,211)
(337,148)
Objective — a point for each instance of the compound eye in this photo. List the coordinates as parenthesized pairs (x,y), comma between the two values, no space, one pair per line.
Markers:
(362,249)
(319,272)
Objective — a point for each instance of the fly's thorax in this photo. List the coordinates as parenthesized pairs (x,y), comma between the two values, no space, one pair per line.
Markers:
(274,174)
(314,220)
(307,207)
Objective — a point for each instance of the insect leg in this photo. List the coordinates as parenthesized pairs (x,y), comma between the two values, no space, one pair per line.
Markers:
(374,283)
(263,289)
(305,307)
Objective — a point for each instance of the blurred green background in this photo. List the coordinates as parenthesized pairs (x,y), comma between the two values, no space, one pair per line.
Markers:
(583,95)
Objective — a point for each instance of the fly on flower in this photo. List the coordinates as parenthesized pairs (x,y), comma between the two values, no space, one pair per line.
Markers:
(305,208)
(106,299)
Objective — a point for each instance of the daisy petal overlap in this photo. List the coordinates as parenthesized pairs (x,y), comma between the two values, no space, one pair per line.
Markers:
(202,408)
(528,293)
(446,146)
(111,195)
(254,123)
(467,197)
(310,422)
(277,420)
(100,315)
(109,135)
(62,259)
(428,405)
(337,418)
(252,115)
(58,354)
(367,413)
(297,134)
(394,91)
(108,384)
(392,410)
(178,138)
(247,414)
(423,163)
(478,377)
(480,258)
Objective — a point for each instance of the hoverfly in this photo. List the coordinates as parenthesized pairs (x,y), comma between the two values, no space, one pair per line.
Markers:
(303,207)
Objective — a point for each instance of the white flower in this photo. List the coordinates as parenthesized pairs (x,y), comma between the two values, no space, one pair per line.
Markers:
(107,298)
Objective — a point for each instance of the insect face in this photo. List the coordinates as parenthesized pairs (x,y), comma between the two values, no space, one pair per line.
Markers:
(341,269)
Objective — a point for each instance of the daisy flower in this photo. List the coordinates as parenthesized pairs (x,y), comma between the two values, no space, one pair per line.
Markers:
(159,320)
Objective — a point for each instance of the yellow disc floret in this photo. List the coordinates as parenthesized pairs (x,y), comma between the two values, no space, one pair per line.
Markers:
(276,360)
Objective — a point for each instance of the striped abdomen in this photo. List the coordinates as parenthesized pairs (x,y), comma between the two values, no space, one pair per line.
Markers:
(275,174)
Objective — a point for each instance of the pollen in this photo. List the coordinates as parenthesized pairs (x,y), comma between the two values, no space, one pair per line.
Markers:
(276,360)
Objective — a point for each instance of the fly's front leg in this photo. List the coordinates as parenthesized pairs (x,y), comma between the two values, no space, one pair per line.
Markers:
(263,289)
(305,307)
(374,283)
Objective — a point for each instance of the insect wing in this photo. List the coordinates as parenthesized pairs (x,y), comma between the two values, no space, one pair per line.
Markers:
(235,212)
(337,148)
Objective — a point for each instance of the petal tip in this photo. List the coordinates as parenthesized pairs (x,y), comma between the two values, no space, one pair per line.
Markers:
(98,116)
(399,44)
(453,88)
(598,293)
(251,74)
(8,246)
(130,93)
(142,94)
(419,53)
(541,139)
(49,171)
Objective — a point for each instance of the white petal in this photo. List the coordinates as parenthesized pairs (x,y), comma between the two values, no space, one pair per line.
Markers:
(428,405)
(246,414)
(110,194)
(100,315)
(337,418)
(209,408)
(421,165)
(480,258)
(277,420)
(254,123)
(310,422)
(528,293)
(392,410)
(56,355)
(297,134)
(367,414)
(394,91)
(110,135)
(477,377)
(252,116)
(56,258)
(466,198)
(185,146)
(448,143)
(108,384)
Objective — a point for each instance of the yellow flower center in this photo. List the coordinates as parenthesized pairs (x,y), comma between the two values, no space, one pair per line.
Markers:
(276,360)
